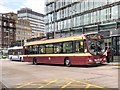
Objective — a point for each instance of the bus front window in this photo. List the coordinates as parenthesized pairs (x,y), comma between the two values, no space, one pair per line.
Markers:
(96,47)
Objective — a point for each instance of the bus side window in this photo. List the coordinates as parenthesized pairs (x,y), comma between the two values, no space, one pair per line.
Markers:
(35,49)
(67,47)
(49,49)
(42,49)
(27,50)
(80,46)
(77,47)
(57,47)
(31,49)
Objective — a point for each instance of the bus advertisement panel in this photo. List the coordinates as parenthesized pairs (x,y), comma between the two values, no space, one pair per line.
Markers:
(76,50)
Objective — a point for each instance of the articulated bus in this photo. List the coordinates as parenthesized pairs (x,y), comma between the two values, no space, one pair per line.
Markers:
(85,49)
(15,53)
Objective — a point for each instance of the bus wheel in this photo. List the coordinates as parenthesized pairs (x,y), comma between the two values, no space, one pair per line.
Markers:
(11,58)
(21,59)
(67,62)
(34,61)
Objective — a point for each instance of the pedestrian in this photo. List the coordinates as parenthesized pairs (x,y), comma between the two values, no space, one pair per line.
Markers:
(108,55)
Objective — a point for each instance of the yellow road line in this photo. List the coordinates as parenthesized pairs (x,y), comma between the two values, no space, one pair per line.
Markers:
(46,80)
(93,85)
(64,86)
(88,86)
(36,84)
(70,83)
(31,82)
(23,85)
(48,83)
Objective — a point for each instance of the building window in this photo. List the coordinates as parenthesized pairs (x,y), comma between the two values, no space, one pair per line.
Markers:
(0,29)
(82,6)
(90,4)
(103,15)
(82,20)
(86,4)
(0,23)
(115,12)
(108,16)
(5,23)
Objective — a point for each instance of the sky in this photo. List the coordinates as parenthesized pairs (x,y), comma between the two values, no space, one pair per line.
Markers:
(14,5)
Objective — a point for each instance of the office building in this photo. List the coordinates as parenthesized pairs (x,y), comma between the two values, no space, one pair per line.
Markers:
(74,17)
(38,34)
(36,19)
(23,30)
(0,30)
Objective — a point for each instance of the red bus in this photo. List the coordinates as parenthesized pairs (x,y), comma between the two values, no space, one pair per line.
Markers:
(85,49)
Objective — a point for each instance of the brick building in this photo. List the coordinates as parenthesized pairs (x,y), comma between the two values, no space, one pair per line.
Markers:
(7,30)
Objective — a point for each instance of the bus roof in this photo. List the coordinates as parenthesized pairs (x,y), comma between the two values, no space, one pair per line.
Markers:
(16,47)
(55,40)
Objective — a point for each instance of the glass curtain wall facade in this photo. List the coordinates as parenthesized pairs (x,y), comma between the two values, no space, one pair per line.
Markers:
(69,15)
(0,30)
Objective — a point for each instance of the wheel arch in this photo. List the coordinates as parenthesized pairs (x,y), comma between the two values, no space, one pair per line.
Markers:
(66,59)
(34,60)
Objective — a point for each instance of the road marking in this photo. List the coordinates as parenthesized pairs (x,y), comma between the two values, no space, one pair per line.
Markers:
(62,83)
(48,83)
(88,84)
(36,84)
(23,85)
(64,86)
(92,85)
(46,80)
(87,87)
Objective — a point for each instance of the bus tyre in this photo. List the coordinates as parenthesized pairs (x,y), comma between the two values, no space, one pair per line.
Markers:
(67,62)
(34,61)
(11,58)
(21,59)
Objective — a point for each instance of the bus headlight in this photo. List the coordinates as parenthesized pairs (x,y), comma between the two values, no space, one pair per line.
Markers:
(85,50)
(104,59)
(95,60)
(101,59)
(90,60)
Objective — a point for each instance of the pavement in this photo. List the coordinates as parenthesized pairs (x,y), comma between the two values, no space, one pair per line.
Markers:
(2,86)
(114,63)
(22,75)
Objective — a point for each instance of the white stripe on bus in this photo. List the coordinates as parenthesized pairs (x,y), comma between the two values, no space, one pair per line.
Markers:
(47,55)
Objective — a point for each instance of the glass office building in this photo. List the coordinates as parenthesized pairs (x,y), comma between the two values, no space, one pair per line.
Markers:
(63,15)
(74,17)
